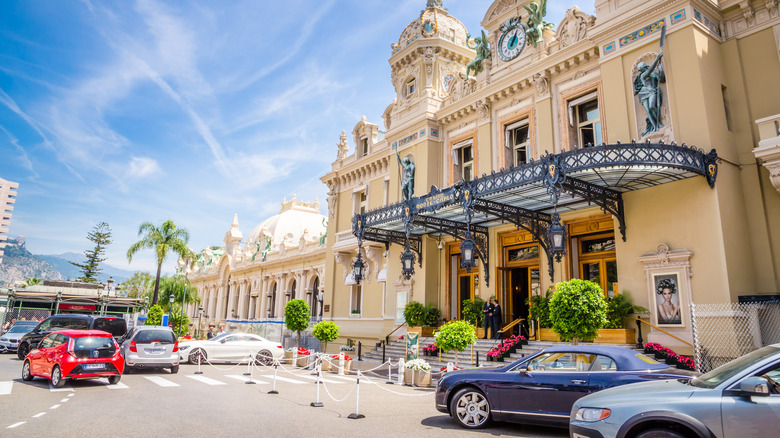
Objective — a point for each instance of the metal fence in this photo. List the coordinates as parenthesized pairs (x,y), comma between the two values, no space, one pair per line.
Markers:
(23,313)
(724,332)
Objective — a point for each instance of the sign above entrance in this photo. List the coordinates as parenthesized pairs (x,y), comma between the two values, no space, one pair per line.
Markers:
(435,200)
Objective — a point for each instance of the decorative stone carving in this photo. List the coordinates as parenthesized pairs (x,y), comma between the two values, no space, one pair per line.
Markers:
(484,110)
(342,145)
(462,87)
(428,60)
(771,7)
(747,12)
(542,83)
(574,26)
(345,260)
(499,7)
(374,256)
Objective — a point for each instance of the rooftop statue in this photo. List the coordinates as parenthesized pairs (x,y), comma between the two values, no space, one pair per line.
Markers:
(434,4)
(483,53)
(647,88)
(535,25)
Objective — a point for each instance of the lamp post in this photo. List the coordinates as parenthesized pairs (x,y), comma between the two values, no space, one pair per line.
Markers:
(171,298)
(183,297)
(407,263)
(109,286)
(200,315)
(357,268)
(557,235)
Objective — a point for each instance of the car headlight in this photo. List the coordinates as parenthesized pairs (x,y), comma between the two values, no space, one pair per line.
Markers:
(183,347)
(3,338)
(589,415)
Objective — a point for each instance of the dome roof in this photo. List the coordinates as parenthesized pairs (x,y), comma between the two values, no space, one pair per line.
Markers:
(434,22)
(295,219)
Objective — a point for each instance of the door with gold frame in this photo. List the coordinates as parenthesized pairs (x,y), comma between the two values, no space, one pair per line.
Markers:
(521,280)
(598,262)
(466,287)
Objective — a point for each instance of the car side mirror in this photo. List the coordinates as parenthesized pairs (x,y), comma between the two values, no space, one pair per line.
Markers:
(754,387)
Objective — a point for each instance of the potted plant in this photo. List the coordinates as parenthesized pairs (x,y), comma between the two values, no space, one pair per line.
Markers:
(325,331)
(417,372)
(618,308)
(577,310)
(540,311)
(335,363)
(455,335)
(303,357)
(296,317)
(421,319)
(472,313)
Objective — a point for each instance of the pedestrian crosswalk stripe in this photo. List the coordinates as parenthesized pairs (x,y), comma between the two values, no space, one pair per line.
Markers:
(206,380)
(6,387)
(321,379)
(351,379)
(284,379)
(245,378)
(39,414)
(160,381)
(66,388)
(119,385)
(16,425)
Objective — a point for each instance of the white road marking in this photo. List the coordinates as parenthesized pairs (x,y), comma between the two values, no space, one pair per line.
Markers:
(6,387)
(71,395)
(160,381)
(245,378)
(321,379)
(351,379)
(65,388)
(40,414)
(65,400)
(284,379)
(16,425)
(55,406)
(206,380)
(119,385)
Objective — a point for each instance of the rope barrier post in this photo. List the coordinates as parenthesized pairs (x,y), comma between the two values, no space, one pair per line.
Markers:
(360,350)
(249,366)
(400,371)
(389,373)
(477,359)
(251,371)
(356,415)
(317,403)
(273,389)
(383,352)
(199,358)
(341,363)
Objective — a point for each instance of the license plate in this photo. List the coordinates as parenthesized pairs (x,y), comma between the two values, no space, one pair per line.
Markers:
(155,350)
(94,366)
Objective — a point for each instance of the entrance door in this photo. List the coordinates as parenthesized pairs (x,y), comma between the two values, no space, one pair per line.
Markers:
(521,283)
(465,290)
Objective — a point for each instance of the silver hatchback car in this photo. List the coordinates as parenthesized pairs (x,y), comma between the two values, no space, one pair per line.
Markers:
(149,346)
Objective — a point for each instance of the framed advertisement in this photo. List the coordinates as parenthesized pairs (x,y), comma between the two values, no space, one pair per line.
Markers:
(668,299)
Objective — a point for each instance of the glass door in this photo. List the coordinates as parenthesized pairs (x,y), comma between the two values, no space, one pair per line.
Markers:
(465,289)
(598,262)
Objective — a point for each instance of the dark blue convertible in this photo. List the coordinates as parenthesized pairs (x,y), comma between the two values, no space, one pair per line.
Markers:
(542,388)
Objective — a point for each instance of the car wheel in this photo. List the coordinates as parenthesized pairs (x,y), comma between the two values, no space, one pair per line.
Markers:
(174,369)
(470,408)
(660,433)
(56,377)
(198,353)
(22,351)
(113,380)
(264,357)
(26,373)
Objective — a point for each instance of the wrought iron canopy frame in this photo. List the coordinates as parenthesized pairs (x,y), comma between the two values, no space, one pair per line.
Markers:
(528,194)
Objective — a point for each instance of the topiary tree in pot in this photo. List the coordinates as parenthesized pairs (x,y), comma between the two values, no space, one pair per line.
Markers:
(455,335)
(577,310)
(154,317)
(296,317)
(414,314)
(325,331)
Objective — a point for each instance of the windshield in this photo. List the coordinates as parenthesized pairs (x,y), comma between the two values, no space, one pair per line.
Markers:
(21,328)
(219,337)
(731,369)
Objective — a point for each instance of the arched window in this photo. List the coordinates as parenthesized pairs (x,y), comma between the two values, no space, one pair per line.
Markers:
(315,295)
(272,302)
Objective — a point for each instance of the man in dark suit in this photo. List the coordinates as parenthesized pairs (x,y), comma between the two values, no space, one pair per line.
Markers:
(496,318)
(487,313)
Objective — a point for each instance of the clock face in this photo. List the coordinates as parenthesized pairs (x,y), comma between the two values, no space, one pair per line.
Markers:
(511,43)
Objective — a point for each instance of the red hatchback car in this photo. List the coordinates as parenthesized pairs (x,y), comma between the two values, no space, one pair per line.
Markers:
(75,354)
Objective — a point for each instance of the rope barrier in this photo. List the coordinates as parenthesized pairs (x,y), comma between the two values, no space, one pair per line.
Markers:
(427,393)
(356,415)
(325,386)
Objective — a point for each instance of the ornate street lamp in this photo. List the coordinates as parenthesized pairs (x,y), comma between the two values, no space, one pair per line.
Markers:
(407,263)
(467,252)
(109,286)
(200,315)
(358,267)
(557,235)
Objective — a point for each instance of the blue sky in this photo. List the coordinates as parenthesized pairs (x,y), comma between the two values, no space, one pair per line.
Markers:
(133,111)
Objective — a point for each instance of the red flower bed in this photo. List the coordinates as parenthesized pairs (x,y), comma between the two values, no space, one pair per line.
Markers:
(303,352)
(336,357)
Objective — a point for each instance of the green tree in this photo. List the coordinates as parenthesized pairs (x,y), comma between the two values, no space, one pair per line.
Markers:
(31,281)
(139,285)
(618,308)
(540,308)
(455,335)
(577,310)
(163,240)
(296,317)
(472,311)
(154,317)
(101,237)
(181,289)
(325,331)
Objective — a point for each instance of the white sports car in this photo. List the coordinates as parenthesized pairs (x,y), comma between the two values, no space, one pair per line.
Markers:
(231,347)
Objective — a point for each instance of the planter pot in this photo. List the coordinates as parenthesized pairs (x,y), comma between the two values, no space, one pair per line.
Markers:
(417,377)
(422,332)
(500,359)
(302,361)
(616,336)
(490,358)
(290,357)
(523,342)
(480,332)
(335,367)
(513,349)
(546,334)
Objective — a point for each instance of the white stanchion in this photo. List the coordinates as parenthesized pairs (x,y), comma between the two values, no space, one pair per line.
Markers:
(356,415)
(317,403)
(249,365)
(389,373)
(251,371)
(273,388)
(341,364)
(199,371)
(400,371)
(450,367)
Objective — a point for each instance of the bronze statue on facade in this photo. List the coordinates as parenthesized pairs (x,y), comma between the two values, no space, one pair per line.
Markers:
(407,183)
(647,88)
(483,53)
(535,25)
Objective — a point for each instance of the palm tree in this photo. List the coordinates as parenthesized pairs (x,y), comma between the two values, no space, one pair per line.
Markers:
(162,240)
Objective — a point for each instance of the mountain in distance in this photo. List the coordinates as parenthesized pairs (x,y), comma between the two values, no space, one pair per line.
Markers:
(61,263)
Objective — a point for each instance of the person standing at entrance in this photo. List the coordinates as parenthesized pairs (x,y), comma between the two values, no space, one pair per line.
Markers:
(487,314)
(495,321)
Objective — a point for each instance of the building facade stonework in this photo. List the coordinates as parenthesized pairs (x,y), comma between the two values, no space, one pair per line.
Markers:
(7,200)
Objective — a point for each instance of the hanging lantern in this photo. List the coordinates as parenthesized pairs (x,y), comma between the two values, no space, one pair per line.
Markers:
(407,264)
(357,268)
(557,235)
(467,252)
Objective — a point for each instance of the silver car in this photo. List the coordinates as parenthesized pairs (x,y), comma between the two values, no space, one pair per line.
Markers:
(149,346)
(739,399)
(9,341)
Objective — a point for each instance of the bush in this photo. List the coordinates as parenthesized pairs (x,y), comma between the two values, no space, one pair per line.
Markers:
(418,315)
(325,331)
(618,308)
(577,310)
(472,311)
(455,335)
(540,308)
(154,317)
(296,317)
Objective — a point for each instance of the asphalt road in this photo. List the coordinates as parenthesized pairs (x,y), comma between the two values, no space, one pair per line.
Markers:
(156,403)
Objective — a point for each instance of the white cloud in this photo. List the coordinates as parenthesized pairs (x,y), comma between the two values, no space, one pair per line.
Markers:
(141,167)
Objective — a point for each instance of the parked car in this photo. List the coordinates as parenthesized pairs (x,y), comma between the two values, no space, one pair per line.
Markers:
(149,346)
(74,354)
(738,399)
(231,347)
(9,342)
(541,389)
(111,324)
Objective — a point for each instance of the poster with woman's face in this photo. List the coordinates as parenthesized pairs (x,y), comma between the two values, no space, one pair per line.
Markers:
(667,299)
